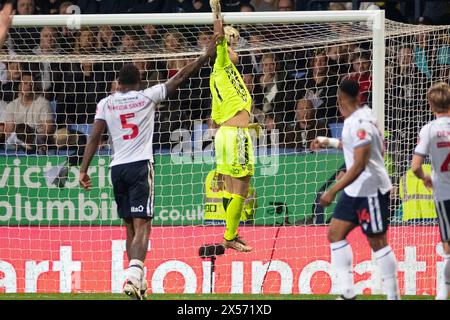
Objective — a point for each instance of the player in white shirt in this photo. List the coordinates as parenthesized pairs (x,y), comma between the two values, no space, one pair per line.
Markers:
(366,190)
(434,141)
(129,115)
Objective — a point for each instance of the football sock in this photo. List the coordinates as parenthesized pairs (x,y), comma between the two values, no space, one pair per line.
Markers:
(388,267)
(226,199)
(135,272)
(445,280)
(233,216)
(342,263)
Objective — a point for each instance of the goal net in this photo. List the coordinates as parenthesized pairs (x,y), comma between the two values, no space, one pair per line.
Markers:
(56,237)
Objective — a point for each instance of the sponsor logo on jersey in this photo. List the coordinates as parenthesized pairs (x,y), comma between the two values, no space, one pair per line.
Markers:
(361,134)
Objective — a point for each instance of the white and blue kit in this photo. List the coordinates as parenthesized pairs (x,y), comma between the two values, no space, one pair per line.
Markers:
(434,140)
(365,201)
(129,117)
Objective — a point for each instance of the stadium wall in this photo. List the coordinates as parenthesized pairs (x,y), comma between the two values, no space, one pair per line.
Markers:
(28,198)
(92,259)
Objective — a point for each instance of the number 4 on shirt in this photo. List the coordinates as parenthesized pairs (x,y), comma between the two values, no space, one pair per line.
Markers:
(445,167)
(126,125)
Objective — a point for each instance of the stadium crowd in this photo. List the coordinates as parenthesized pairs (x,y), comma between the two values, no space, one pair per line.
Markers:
(49,105)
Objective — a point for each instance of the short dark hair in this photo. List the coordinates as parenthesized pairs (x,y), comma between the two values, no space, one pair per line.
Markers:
(129,75)
(350,88)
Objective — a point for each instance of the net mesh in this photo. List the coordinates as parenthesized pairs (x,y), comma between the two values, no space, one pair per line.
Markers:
(57,238)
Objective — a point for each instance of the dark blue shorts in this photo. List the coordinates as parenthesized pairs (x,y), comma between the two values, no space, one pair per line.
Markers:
(133,189)
(443,213)
(371,213)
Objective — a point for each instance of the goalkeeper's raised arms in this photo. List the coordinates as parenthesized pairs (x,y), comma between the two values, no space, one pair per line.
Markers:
(215,7)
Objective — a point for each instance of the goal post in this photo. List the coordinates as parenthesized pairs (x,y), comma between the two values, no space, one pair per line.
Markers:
(55,237)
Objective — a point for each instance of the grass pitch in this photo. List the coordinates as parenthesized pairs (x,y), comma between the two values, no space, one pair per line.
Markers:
(117,296)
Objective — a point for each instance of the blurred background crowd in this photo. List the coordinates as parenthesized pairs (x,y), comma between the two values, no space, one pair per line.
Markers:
(49,104)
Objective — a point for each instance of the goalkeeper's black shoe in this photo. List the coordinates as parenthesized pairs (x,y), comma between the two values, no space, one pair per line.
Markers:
(236,245)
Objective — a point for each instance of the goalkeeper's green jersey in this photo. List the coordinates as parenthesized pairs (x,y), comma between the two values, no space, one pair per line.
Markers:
(229,92)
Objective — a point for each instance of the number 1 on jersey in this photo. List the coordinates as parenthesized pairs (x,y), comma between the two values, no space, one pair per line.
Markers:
(126,125)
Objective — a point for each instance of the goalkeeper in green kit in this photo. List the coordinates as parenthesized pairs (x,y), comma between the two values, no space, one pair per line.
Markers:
(231,108)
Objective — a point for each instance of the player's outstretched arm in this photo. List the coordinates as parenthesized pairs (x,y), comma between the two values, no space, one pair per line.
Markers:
(5,22)
(361,158)
(91,148)
(173,83)
(417,169)
(325,142)
(217,16)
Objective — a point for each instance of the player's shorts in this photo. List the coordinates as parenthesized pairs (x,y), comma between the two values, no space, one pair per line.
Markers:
(133,189)
(443,213)
(234,152)
(371,213)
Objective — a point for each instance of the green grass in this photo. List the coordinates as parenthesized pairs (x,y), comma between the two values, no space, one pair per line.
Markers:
(109,296)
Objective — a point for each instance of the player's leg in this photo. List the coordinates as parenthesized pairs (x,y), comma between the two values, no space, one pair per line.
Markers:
(235,160)
(238,189)
(443,212)
(139,181)
(130,235)
(342,256)
(375,227)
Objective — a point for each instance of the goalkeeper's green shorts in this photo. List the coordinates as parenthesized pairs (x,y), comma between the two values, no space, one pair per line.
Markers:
(234,152)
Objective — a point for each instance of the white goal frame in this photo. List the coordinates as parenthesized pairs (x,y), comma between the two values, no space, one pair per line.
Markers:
(374,19)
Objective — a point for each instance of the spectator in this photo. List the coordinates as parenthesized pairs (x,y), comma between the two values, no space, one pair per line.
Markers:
(66,37)
(85,41)
(406,106)
(174,42)
(25,7)
(203,38)
(254,89)
(286,5)
(23,40)
(337,6)
(278,93)
(10,86)
(253,60)
(423,54)
(443,60)
(106,40)
(49,73)
(268,81)
(29,119)
(151,40)
(85,85)
(320,87)
(306,127)
(131,44)
(201,6)
(362,74)
(265,5)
